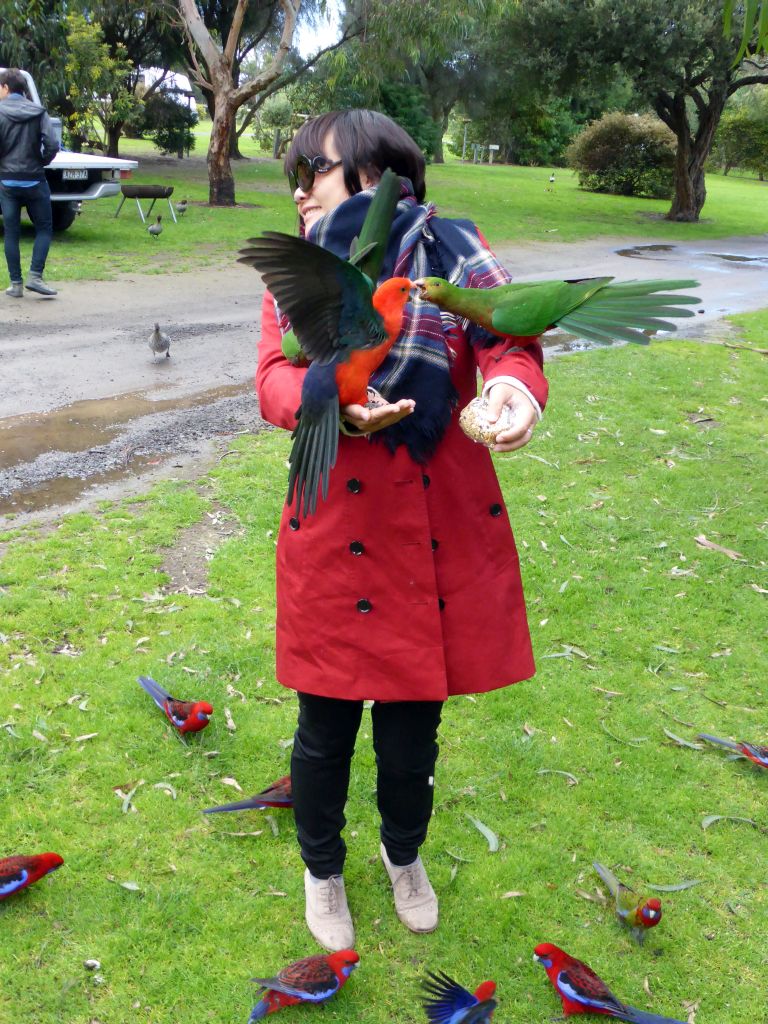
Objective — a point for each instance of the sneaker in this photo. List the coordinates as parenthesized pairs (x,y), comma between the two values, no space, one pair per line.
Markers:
(415,900)
(35,283)
(327,912)
(16,291)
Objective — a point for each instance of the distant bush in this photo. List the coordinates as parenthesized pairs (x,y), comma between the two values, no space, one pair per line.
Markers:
(169,124)
(626,155)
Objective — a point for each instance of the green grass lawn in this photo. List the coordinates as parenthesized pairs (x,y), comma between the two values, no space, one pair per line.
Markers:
(508,203)
(637,629)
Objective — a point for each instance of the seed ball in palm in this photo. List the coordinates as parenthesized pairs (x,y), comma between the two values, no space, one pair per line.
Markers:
(473,420)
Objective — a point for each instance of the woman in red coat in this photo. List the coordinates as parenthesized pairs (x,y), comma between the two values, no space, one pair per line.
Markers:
(404,587)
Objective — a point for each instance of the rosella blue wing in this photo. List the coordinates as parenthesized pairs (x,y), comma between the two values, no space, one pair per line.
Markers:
(158,693)
(447,1001)
(14,875)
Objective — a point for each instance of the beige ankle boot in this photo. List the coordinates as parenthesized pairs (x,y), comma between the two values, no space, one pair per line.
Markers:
(415,899)
(327,913)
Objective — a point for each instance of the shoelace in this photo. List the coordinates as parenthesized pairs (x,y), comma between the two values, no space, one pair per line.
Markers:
(414,878)
(329,895)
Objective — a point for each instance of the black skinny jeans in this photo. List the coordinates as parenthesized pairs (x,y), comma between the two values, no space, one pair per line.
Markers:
(405,742)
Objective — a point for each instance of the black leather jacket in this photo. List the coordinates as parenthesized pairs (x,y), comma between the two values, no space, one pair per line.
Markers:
(27,139)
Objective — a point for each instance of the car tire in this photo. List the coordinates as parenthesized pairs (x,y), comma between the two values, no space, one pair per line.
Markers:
(63,214)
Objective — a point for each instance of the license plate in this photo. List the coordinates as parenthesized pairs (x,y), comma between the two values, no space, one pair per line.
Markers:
(80,174)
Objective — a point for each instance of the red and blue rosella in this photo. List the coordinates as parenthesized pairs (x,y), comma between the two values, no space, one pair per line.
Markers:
(636,912)
(757,754)
(17,873)
(185,715)
(450,1003)
(313,979)
(279,794)
(582,991)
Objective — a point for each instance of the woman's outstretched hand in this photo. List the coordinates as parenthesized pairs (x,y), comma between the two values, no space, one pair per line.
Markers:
(368,419)
(524,416)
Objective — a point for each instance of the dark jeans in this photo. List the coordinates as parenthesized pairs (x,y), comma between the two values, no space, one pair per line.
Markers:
(38,203)
(405,742)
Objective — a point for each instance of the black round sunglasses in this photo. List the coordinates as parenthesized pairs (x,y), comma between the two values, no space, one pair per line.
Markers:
(303,176)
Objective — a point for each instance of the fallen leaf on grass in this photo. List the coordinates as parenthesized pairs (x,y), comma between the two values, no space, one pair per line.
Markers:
(456,856)
(261,830)
(608,693)
(232,692)
(691,1008)
(127,797)
(492,838)
(272,822)
(39,736)
(233,783)
(597,897)
(528,729)
(275,892)
(572,780)
(142,640)
(674,888)
(84,737)
(681,742)
(131,886)
(166,787)
(712,818)
(759,589)
(511,895)
(230,722)
(647,988)
(634,741)
(702,541)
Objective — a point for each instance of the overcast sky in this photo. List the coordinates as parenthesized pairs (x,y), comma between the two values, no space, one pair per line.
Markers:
(309,40)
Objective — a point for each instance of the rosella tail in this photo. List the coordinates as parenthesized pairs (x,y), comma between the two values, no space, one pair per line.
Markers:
(158,694)
(279,794)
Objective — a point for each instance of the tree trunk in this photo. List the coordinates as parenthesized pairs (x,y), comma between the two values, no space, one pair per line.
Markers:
(114,131)
(692,153)
(221,190)
(234,142)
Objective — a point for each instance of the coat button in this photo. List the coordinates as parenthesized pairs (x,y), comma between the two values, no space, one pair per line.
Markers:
(364,605)
(294,523)
(425,480)
(356,548)
(354,485)
(435,544)
(440,603)
(495,509)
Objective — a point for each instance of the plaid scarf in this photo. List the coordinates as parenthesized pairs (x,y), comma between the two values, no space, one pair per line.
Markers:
(418,364)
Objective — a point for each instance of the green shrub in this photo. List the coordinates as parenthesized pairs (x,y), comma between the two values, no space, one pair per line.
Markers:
(626,155)
(169,124)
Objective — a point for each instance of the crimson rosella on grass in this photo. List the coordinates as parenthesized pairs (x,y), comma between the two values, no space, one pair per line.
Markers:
(449,1003)
(185,715)
(16,873)
(593,308)
(636,912)
(581,991)
(311,980)
(279,794)
(755,753)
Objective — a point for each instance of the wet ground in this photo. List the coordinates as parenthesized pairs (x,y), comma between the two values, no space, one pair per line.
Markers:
(86,412)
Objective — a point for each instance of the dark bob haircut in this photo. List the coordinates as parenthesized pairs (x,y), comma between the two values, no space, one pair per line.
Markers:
(15,81)
(366,140)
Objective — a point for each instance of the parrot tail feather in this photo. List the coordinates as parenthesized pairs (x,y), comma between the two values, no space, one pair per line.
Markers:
(607,876)
(721,743)
(158,694)
(312,457)
(635,1016)
(260,1011)
(239,805)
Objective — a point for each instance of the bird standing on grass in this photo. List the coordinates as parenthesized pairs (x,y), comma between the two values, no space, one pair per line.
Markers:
(593,309)
(582,991)
(156,228)
(757,754)
(279,794)
(451,1003)
(160,343)
(181,207)
(636,913)
(16,873)
(185,715)
(311,980)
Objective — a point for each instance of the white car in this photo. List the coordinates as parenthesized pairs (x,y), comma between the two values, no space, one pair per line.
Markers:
(74,178)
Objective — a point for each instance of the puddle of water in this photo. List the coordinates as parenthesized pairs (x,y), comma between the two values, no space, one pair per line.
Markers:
(732,258)
(89,424)
(65,489)
(639,251)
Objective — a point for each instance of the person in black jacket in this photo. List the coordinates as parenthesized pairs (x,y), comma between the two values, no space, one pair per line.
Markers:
(27,143)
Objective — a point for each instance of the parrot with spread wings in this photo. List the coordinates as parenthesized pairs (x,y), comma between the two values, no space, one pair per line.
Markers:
(636,912)
(447,1002)
(345,326)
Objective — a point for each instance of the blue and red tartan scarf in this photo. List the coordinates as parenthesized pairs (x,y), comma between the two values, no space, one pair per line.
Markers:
(418,364)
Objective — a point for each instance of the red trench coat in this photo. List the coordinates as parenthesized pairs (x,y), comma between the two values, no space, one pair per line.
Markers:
(405,584)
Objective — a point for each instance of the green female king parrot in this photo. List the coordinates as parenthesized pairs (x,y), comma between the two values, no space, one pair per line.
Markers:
(593,309)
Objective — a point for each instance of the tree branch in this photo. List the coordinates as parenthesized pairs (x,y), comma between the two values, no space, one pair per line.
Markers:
(199,35)
(748,80)
(236,28)
(270,73)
